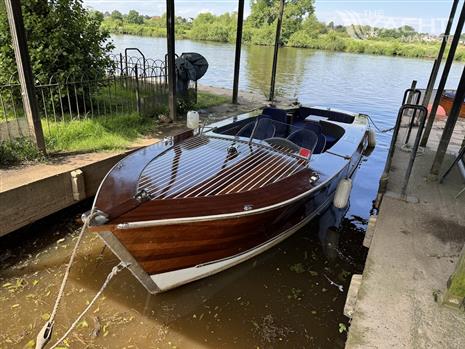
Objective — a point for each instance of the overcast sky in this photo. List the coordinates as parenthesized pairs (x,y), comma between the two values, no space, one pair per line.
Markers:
(425,15)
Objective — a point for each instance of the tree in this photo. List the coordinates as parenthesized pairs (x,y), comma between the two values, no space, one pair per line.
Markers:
(134,17)
(63,38)
(264,13)
(116,15)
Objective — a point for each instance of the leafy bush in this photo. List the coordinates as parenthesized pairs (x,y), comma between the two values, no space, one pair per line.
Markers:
(13,152)
(63,38)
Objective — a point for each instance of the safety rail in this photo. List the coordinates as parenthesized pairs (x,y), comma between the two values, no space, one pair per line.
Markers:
(423,113)
(409,95)
(417,110)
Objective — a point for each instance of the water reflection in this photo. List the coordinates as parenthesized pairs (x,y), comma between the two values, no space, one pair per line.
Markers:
(328,231)
(258,69)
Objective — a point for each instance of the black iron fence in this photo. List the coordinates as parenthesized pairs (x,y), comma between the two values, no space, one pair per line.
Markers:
(131,84)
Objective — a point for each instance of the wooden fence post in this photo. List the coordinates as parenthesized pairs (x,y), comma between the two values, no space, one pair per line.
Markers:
(26,79)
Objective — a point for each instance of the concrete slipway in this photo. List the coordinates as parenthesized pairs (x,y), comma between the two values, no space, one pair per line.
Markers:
(413,251)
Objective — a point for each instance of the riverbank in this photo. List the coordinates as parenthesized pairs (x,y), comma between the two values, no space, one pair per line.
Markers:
(332,42)
(109,132)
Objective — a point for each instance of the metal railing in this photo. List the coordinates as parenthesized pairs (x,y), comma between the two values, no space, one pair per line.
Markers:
(125,88)
(417,111)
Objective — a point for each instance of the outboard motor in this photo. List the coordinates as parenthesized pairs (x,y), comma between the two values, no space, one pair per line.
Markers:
(190,66)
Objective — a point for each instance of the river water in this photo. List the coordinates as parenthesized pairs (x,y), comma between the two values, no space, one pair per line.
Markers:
(289,297)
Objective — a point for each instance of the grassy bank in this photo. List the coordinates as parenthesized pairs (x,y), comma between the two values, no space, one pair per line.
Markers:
(222,29)
(14,152)
(102,133)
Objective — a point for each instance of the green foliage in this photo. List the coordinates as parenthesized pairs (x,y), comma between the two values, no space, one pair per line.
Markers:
(300,29)
(264,14)
(116,15)
(63,38)
(101,133)
(13,152)
(134,17)
(206,100)
(214,28)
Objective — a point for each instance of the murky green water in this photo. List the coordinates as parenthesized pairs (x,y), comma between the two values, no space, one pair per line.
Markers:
(288,297)
(281,299)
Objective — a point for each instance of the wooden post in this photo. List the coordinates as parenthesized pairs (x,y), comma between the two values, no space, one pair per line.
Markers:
(26,79)
(276,47)
(170,20)
(455,292)
(237,61)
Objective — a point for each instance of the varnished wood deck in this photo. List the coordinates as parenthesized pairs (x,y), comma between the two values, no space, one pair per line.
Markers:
(202,166)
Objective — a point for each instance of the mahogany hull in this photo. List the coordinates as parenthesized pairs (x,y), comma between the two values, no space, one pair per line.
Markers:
(171,247)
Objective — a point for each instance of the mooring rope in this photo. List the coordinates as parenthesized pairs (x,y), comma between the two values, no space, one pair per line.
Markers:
(376,126)
(45,333)
(116,269)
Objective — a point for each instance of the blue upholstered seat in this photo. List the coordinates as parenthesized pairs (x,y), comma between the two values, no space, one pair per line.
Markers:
(320,146)
(263,130)
(313,126)
(276,114)
(316,127)
(282,129)
(304,138)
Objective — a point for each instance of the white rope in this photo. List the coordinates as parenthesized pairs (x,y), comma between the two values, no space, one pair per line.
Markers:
(68,268)
(45,333)
(116,269)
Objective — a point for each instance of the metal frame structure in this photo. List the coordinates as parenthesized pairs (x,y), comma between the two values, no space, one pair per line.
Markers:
(450,125)
(237,59)
(446,71)
(276,48)
(434,73)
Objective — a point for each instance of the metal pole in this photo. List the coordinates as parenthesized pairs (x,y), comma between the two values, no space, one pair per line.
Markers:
(276,47)
(237,60)
(438,60)
(432,79)
(136,72)
(445,73)
(26,78)
(170,20)
(450,125)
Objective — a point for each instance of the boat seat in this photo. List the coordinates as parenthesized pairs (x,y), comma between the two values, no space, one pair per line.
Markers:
(313,126)
(341,117)
(283,143)
(276,114)
(316,127)
(304,138)
(264,129)
(282,129)
(321,145)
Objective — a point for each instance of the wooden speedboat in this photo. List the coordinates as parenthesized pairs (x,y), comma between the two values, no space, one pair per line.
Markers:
(447,100)
(200,202)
